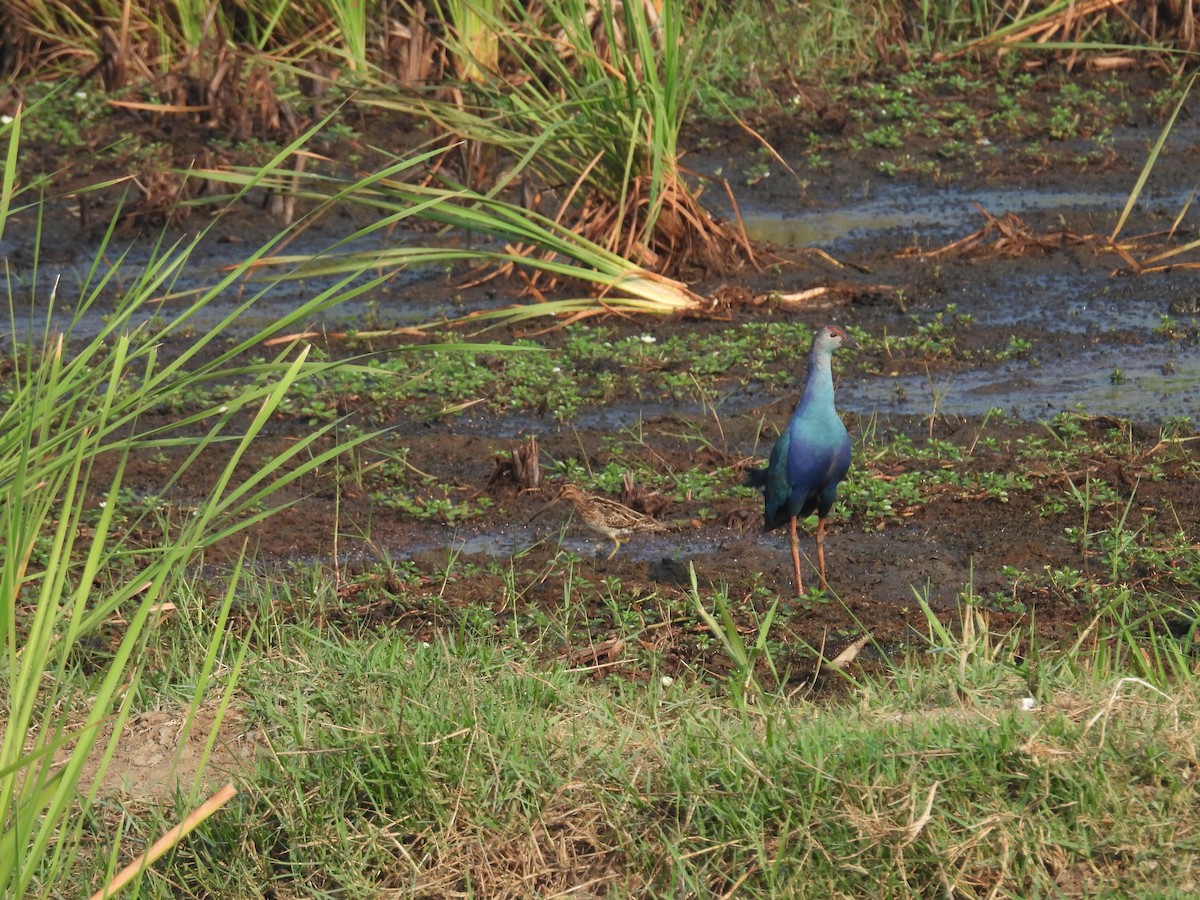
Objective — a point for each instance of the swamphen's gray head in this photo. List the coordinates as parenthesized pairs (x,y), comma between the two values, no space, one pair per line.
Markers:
(829,337)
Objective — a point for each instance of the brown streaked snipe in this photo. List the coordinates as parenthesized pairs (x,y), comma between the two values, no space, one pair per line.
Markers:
(604,516)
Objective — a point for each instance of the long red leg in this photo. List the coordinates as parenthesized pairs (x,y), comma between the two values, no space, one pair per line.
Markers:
(821,550)
(796,557)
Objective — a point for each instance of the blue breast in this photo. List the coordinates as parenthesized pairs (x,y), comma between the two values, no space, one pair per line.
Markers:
(811,457)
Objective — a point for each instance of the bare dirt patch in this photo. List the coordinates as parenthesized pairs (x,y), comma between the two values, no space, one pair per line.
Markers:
(161,751)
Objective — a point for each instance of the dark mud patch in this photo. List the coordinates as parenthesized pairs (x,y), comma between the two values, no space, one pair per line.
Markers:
(549,582)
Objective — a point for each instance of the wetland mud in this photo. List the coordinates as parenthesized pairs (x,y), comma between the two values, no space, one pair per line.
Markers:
(1013,340)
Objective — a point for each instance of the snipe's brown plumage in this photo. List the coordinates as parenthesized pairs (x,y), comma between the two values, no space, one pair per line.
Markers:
(604,516)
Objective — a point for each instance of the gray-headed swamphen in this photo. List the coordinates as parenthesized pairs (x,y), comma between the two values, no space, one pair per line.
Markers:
(811,456)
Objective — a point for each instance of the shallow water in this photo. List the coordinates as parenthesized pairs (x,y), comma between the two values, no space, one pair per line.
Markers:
(1069,302)
(1086,325)
(1140,392)
(910,214)
(403,300)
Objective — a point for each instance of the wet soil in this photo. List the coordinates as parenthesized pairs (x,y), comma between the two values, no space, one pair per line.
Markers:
(1082,314)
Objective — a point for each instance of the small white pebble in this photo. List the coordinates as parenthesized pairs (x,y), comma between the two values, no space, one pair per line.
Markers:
(667,681)
(1027,704)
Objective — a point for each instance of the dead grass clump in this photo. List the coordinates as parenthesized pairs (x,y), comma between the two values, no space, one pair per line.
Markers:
(520,467)
(223,89)
(411,52)
(1074,28)
(565,850)
(1008,236)
(670,234)
(666,234)
(157,203)
(641,499)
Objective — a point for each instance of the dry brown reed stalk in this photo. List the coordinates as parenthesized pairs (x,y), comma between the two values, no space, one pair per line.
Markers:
(220,82)
(522,467)
(685,236)
(1008,236)
(641,499)
(1171,23)
(827,296)
(412,53)
(167,842)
